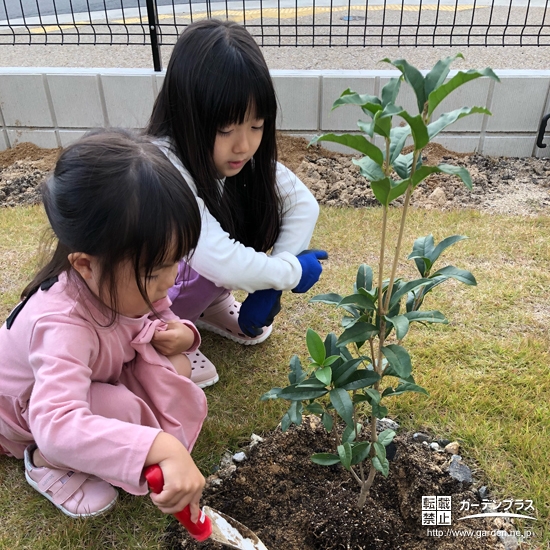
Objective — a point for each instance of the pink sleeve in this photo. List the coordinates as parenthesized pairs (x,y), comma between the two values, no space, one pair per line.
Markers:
(62,352)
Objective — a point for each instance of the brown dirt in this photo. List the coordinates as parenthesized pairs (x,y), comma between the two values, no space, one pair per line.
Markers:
(293,504)
(500,184)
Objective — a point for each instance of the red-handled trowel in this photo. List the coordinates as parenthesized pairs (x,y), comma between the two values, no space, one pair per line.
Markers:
(211,523)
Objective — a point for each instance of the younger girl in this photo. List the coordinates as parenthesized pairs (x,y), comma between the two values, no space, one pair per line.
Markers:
(215,119)
(86,399)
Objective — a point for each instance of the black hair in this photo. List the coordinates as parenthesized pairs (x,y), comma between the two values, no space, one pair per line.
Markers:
(116,196)
(215,77)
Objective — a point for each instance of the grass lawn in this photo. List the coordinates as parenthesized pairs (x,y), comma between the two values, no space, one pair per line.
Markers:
(487,371)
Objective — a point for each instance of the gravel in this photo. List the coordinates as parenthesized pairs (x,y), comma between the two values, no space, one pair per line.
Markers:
(284,57)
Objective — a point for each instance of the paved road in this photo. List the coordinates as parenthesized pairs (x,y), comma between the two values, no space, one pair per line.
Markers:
(22,9)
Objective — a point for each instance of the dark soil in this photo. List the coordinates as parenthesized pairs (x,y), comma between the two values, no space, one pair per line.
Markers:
(293,504)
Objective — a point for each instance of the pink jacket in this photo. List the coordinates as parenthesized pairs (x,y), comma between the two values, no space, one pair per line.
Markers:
(61,377)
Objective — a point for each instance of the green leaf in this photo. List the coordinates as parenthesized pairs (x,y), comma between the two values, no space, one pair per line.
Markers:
(330,345)
(357,142)
(419,130)
(398,137)
(350,433)
(359,332)
(364,277)
(345,454)
(460,78)
(359,379)
(414,77)
(438,74)
(444,244)
(399,361)
(285,422)
(386,437)
(446,119)
(297,374)
(386,190)
(461,275)
(341,373)
(426,317)
(373,396)
(382,466)
(341,401)
(369,169)
(315,346)
(330,298)
(327,421)
(407,287)
(324,375)
(366,127)
(421,253)
(273,393)
(459,171)
(400,324)
(330,360)
(390,91)
(403,164)
(295,412)
(359,452)
(369,103)
(314,408)
(380,450)
(301,393)
(361,301)
(325,459)
(409,387)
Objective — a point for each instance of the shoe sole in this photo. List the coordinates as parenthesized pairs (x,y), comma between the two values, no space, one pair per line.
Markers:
(244,341)
(60,507)
(210,382)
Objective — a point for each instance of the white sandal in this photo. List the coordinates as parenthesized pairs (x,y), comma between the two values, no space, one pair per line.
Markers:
(223,318)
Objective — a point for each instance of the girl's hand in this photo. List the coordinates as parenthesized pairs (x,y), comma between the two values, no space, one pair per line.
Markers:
(183,481)
(177,338)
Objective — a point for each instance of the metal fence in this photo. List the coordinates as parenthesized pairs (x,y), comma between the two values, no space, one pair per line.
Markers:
(280,22)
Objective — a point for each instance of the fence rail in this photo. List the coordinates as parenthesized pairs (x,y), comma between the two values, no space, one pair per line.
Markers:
(314,23)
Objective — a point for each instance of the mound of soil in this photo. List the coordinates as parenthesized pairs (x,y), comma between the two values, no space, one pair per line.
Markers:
(500,184)
(293,504)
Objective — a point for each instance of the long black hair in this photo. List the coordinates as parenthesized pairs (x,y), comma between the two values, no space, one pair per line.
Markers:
(116,196)
(216,76)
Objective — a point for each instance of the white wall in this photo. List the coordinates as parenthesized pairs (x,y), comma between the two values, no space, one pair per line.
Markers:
(53,106)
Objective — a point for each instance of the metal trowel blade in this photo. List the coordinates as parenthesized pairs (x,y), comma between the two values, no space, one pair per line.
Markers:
(230,532)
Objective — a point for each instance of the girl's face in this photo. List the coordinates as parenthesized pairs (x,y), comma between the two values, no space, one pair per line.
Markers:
(235,145)
(130,300)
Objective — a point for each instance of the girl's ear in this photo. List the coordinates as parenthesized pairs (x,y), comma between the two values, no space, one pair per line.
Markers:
(83,263)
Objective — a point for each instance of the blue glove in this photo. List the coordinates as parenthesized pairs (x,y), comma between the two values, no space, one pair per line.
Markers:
(259,310)
(311,268)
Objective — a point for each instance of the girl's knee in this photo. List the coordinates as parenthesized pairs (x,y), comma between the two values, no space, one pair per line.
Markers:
(116,401)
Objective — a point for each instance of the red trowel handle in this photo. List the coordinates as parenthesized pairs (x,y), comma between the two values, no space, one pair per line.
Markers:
(199,531)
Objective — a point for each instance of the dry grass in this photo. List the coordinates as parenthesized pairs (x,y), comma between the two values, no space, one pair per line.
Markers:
(487,371)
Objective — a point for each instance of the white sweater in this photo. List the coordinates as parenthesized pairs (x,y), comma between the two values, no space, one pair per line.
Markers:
(232,265)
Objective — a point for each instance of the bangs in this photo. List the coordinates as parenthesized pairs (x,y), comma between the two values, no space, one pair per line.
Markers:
(247,88)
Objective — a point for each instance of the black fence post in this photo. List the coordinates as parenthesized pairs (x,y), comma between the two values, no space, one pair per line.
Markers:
(153,32)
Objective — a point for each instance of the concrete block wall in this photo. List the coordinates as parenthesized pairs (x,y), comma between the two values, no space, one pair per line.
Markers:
(51,107)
